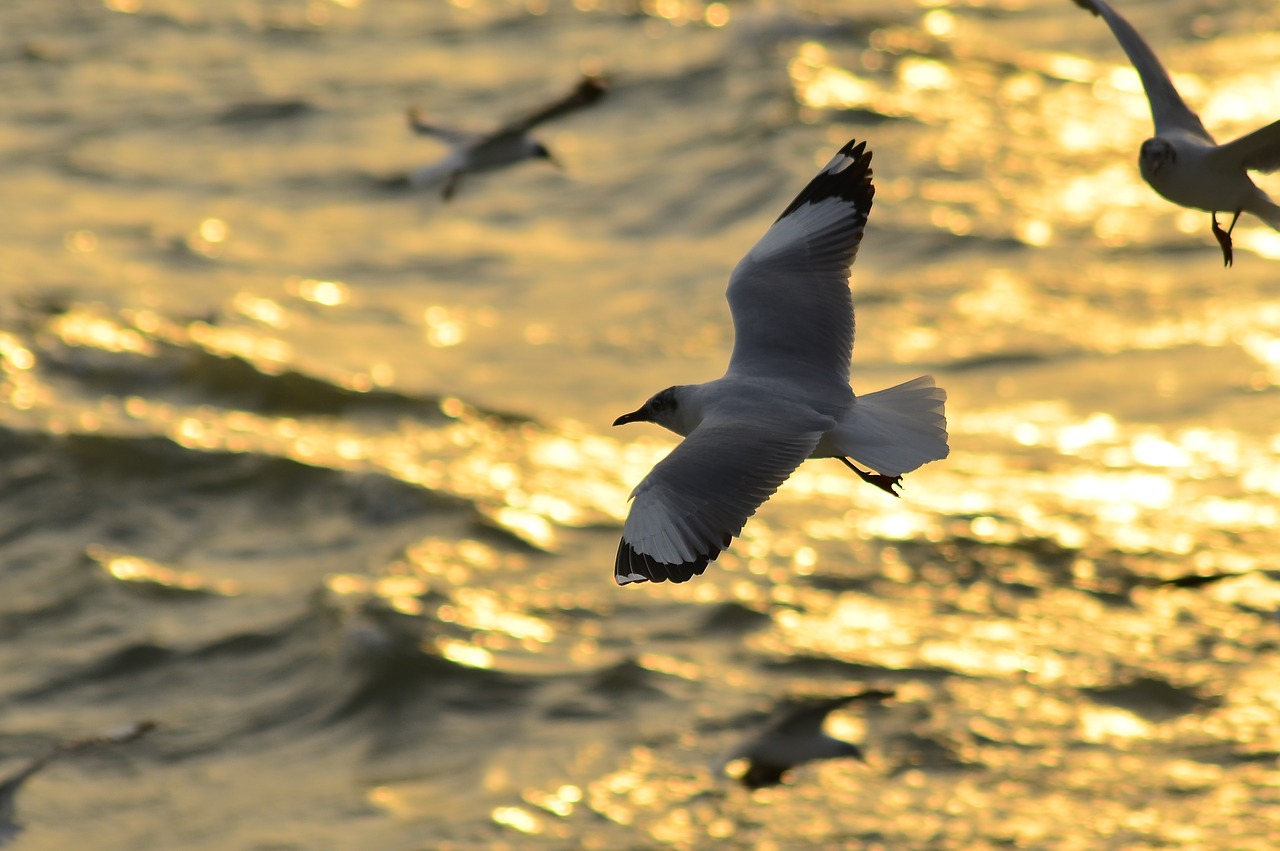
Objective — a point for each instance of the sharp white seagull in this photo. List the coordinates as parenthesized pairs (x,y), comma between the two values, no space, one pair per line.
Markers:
(1182,162)
(795,737)
(509,144)
(785,396)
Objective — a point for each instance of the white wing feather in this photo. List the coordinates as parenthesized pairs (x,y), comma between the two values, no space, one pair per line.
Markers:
(792,310)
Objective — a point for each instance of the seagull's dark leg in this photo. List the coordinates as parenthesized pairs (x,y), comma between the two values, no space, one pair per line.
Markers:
(1224,238)
(885,483)
(455,179)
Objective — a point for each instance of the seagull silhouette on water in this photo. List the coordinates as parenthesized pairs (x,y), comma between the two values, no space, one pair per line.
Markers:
(785,396)
(509,144)
(1182,162)
(794,737)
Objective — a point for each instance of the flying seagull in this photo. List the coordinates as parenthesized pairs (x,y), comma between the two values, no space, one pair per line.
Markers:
(9,786)
(509,144)
(795,737)
(785,396)
(1182,162)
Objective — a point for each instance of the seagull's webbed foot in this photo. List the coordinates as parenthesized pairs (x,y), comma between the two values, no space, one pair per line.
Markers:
(885,483)
(1224,237)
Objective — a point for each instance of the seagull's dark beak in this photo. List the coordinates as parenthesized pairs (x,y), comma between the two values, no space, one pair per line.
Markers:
(637,416)
(559,166)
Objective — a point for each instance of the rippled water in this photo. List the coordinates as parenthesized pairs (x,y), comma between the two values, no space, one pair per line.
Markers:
(319,476)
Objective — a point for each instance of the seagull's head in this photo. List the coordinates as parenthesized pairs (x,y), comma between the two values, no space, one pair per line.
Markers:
(663,408)
(539,152)
(1155,154)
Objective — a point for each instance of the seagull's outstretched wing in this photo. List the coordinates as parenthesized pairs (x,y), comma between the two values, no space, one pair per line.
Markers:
(1168,110)
(589,90)
(792,310)
(699,497)
(808,718)
(1256,151)
(423,126)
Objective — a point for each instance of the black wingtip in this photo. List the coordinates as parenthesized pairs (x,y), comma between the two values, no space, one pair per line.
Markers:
(847,177)
(632,566)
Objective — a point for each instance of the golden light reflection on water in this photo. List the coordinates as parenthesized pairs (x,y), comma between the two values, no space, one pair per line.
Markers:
(525,480)
(530,481)
(22,389)
(141,571)
(443,329)
(1103,724)
(88,330)
(1055,642)
(326,293)
(263,310)
(821,84)
(486,611)
(468,655)
(517,818)
(1241,100)
(532,527)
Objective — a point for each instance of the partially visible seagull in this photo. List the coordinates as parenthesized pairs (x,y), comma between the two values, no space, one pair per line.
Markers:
(794,737)
(785,396)
(9,786)
(1182,162)
(509,144)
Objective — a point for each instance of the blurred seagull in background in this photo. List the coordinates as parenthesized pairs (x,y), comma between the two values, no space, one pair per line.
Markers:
(785,396)
(1182,162)
(509,144)
(9,786)
(794,736)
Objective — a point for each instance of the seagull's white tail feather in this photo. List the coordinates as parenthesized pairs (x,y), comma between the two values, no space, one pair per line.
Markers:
(894,431)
